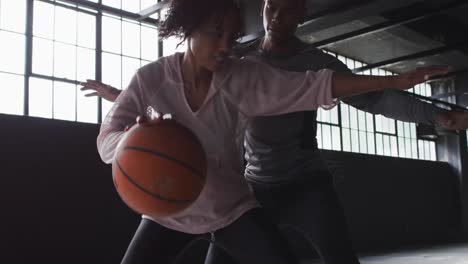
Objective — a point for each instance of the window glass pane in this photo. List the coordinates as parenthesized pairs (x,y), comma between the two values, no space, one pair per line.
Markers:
(391,126)
(43,56)
(149,43)
(362,142)
(401,147)
(86,108)
(336,139)
(342,59)
(344,115)
(112,3)
(326,136)
(362,120)
(350,64)
(86,30)
(400,129)
(172,45)
(378,123)
(130,39)
(334,115)
(326,116)
(11,94)
(131,5)
(354,141)
(408,152)
(65,61)
(146,3)
(387,149)
(111,34)
(12,52)
(112,70)
(40,98)
(43,20)
(370,122)
(319,136)
(413,130)
(407,130)
(421,149)
(346,139)
(13,15)
(379,144)
(353,117)
(385,125)
(433,150)
(414,148)
(428,89)
(85,64)
(394,146)
(64,101)
(129,68)
(370,143)
(427,150)
(65,25)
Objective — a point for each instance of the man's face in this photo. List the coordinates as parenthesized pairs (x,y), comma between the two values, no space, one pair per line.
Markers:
(281,17)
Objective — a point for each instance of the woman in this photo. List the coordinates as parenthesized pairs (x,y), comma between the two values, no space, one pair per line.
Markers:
(215,95)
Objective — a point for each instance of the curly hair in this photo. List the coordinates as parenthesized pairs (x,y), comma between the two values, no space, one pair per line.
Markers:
(184,16)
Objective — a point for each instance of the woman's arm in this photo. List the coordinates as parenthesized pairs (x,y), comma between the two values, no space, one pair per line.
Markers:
(346,84)
(128,106)
(259,89)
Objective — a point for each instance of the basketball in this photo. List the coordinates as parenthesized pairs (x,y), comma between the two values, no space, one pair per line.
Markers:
(159,168)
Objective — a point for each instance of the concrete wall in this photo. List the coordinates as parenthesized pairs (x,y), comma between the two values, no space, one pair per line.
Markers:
(59,204)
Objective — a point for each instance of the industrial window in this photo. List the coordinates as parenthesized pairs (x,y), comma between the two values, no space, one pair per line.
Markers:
(40,75)
(12,55)
(126,46)
(366,133)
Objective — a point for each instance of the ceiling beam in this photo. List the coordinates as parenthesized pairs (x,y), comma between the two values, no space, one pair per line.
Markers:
(335,17)
(341,15)
(389,24)
(413,56)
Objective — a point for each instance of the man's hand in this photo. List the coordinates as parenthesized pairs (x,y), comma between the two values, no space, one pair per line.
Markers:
(453,120)
(100,89)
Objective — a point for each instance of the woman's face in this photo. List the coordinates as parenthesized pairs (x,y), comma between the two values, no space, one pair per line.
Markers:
(211,43)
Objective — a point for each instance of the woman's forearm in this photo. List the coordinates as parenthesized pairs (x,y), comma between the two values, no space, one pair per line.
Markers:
(347,84)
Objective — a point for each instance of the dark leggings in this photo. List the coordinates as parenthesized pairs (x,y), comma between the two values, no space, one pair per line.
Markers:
(249,239)
(310,209)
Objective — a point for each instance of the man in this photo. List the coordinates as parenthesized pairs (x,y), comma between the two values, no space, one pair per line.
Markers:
(284,166)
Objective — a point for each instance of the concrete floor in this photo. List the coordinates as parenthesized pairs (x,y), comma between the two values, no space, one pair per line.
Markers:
(454,254)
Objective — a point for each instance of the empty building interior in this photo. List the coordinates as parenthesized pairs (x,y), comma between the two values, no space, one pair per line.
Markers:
(403,185)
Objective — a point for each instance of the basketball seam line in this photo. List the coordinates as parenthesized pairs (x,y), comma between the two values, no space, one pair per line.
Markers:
(157,196)
(157,153)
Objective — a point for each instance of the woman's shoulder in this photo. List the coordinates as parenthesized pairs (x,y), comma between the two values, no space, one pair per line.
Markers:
(164,67)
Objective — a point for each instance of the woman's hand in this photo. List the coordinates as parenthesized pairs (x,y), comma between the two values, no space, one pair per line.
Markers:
(100,89)
(410,79)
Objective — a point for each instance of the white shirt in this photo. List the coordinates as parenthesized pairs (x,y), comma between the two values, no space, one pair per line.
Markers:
(239,90)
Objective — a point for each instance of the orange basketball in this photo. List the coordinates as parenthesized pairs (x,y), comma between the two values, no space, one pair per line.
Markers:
(159,168)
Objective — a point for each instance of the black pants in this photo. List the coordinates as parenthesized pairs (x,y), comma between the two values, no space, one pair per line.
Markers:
(310,208)
(250,240)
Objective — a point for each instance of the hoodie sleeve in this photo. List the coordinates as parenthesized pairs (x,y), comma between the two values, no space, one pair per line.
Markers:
(259,89)
(123,113)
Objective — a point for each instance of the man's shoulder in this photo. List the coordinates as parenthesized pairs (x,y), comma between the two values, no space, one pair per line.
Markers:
(243,49)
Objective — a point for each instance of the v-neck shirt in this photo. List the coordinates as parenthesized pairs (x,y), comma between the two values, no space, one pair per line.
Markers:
(239,90)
